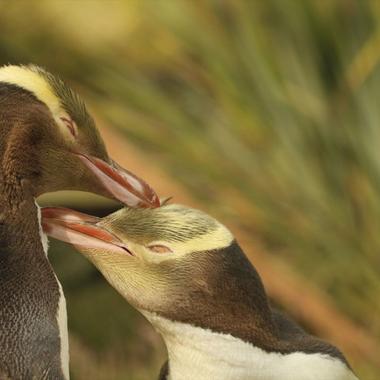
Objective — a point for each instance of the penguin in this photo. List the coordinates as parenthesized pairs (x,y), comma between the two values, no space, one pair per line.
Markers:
(186,273)
(48,142)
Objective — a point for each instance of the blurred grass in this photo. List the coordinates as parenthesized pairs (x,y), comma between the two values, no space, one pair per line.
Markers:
(267,111)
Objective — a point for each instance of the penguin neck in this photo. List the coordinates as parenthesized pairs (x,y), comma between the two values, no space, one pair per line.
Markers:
(20,228)
(224,295)
(19,214)
(197,353)
(21,119)
(24,257)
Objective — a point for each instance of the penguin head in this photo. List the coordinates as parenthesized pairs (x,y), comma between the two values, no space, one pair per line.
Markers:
(50,140)
(172,261)
(154,257)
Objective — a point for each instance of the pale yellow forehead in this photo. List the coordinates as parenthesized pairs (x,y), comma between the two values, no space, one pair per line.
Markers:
(215,239)
(181,228)
(31,79)
(197,230)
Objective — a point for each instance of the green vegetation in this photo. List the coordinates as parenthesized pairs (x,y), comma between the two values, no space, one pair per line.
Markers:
(267,111)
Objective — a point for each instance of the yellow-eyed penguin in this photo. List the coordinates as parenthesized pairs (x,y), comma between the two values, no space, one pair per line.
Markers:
(185,272)
(48,142)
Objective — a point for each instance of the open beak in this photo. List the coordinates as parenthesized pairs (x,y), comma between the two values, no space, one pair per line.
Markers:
(121,183)
(79,229)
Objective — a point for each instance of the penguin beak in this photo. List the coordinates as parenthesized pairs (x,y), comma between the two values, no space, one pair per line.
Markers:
(121,183)
(80,230)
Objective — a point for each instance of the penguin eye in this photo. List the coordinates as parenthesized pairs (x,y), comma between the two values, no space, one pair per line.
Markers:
(70,124)
(158,248)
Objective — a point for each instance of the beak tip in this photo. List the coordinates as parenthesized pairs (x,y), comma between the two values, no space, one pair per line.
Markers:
(156,201)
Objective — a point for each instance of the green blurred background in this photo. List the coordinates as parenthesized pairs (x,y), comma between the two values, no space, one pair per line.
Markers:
(266,112)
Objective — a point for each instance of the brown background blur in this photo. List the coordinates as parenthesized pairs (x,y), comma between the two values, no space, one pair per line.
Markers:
(264,114)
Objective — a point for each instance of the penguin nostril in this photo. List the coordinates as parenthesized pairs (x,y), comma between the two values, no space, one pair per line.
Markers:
(127,250)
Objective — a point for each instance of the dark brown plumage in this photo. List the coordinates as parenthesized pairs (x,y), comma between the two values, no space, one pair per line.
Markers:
(231,299)
(29,341)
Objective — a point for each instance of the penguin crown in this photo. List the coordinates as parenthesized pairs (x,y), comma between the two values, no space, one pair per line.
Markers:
(67,109)
(173,228)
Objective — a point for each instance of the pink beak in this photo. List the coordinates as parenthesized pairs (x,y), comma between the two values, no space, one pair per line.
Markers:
(120,183)
(79,229)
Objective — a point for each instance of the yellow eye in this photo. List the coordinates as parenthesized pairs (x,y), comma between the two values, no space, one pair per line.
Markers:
(158,248)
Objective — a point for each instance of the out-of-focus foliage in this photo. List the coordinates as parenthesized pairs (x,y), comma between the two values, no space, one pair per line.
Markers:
(267,110)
